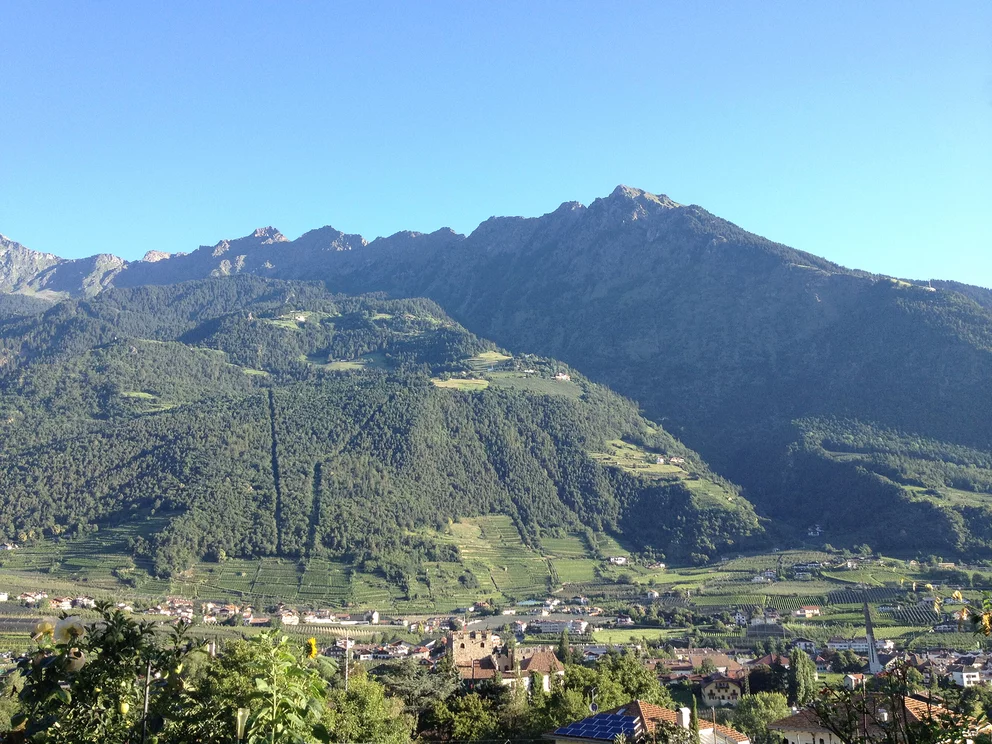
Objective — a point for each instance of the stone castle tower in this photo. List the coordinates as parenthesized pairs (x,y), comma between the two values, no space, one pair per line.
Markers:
(471,646)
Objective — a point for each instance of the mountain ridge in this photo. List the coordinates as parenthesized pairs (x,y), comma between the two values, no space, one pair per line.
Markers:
(52,275)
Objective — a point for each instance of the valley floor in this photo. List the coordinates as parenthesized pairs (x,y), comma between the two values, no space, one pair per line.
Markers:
(497,572)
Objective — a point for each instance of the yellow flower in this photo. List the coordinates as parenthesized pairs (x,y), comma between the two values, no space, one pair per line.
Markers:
(930,587)
(68,629)
(44,627)
(986,623)
(957,595)
(312,648)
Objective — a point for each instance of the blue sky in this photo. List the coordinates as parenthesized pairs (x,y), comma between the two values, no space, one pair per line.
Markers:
(858,131)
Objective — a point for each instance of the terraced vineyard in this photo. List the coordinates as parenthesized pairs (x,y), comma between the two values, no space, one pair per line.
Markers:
(857,597)
(575,570)
(916,616)
(958,641)
(730,600)
(325,582)
(752,564)
(789,604)
(572,546)
(491,549)
(608,545)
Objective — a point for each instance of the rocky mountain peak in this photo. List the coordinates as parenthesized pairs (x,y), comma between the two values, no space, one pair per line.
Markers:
(153,256)
(627,204)
(8,244)
(269,235)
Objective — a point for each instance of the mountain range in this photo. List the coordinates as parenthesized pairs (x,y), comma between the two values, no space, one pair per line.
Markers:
(848,406)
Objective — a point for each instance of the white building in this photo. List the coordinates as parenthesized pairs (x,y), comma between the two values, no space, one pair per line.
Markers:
(965,676)
(577,627)
(858,645)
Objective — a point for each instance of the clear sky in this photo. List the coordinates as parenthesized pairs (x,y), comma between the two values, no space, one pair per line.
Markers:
(859,131)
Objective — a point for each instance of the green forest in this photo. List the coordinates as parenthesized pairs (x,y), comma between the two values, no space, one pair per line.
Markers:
(258,418)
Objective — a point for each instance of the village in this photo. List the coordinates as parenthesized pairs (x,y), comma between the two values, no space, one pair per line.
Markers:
(719,676)
(709,650)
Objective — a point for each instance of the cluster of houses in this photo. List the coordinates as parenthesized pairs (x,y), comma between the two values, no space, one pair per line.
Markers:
(962,669)
(807,570)
(799,571)
(383,651)
(771,616)
(32,599)
(245,615)
(175,607)
(325,617)
(719,677)
(577,605)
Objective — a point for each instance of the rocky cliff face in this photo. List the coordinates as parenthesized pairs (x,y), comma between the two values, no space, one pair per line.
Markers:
(30,272)
(20,265)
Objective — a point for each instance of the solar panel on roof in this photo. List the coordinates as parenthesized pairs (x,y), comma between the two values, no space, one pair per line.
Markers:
(602,726)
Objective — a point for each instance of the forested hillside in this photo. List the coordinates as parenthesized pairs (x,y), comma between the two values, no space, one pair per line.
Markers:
(264,417)
(17,304)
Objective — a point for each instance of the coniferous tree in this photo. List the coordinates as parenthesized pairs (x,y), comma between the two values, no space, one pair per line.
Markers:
(563,653)
(802,678)
(694,722)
